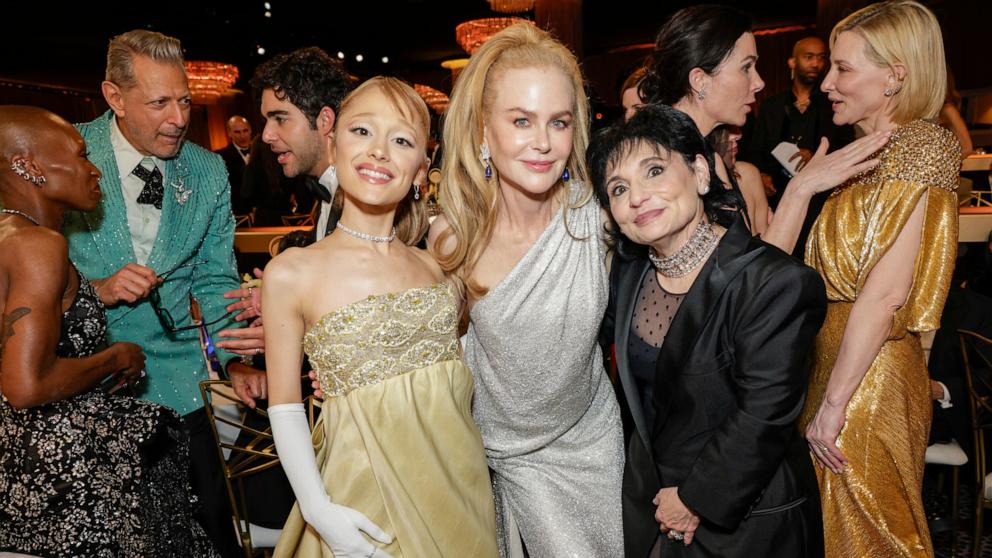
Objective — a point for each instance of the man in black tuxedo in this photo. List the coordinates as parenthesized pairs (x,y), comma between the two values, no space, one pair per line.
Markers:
(235,156)
(300,94)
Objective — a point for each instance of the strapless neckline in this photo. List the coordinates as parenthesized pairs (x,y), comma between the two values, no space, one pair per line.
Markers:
(372,298)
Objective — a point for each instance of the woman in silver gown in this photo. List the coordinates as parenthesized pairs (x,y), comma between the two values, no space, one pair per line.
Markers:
(523,234)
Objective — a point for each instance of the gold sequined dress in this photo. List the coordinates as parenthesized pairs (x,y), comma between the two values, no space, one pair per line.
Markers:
(395,439)
(875,508)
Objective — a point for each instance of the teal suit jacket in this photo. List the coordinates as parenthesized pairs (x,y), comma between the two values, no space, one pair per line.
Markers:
(201,228)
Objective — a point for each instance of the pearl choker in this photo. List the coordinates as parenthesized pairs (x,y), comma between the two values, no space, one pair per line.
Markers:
(367,236)
(689,256)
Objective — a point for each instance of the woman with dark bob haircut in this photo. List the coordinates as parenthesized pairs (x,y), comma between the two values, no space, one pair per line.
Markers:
(712,330)
(703,64)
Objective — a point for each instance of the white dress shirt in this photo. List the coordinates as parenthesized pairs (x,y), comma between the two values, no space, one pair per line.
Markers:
(329,180)
(142,219)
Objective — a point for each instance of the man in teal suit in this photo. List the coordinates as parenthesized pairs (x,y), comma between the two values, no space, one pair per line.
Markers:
(163,231)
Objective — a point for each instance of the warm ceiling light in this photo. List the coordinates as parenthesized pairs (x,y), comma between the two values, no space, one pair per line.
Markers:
(359,57)
(455,66)
(511,6)
(340,55)
(209,80)
(473,33)
(435,99)
(385,60)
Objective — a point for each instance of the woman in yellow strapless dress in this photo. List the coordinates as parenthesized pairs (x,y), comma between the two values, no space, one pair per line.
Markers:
(400,469)
(885,245)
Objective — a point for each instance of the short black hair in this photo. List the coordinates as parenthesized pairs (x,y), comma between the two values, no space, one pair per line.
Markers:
(675,132)
(307,77)
(695,37)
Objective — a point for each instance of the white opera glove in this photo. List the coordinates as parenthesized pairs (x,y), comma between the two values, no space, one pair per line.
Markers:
(340,527)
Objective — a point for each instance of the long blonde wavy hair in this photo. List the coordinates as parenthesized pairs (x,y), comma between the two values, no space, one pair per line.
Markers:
(470,200)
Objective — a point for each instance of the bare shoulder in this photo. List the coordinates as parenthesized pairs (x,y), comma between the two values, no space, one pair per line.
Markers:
(287,268)
(436,232)
(747,171)
(425,257)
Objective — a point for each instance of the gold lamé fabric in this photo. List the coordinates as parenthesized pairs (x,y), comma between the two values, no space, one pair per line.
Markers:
(397,442)
(874,508)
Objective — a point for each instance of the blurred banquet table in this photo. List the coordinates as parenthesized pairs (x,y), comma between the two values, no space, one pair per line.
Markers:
(974,224)
(978,162)
(255,240)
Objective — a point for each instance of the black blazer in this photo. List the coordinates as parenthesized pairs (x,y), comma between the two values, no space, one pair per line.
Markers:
(235,172)
(730,383)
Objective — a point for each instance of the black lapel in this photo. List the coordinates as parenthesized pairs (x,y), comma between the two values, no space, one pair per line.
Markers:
(695,311)
(631,277)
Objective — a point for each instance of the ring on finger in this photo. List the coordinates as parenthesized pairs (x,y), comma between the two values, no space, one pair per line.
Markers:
(677,535)
(258,350)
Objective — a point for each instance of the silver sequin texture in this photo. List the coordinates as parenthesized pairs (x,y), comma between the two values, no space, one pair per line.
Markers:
(547,413)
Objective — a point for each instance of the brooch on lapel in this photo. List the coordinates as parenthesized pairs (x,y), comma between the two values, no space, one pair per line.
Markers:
(178,184)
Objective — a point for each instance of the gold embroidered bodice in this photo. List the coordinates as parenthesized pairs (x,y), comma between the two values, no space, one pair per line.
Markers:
(381,336)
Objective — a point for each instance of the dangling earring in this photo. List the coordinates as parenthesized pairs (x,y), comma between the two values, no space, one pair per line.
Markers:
(792,74)
(416,191)
(484,157)
(701,95)
(565,176)
(706,189)
(19,170)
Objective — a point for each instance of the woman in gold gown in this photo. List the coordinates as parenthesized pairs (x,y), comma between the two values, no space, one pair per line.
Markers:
(885,246)
(400,469)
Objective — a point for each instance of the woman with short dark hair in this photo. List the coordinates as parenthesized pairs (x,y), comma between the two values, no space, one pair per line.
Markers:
(712,330)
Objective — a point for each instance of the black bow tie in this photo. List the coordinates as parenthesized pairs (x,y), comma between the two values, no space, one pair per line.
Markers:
(244,152)
(153,191)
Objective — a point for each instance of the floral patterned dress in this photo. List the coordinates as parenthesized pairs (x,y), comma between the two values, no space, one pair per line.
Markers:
(95,475)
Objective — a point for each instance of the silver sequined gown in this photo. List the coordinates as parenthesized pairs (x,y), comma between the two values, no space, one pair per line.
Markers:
(546,410)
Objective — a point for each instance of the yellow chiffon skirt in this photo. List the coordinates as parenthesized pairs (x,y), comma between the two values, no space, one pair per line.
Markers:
(407,454)
(875,507)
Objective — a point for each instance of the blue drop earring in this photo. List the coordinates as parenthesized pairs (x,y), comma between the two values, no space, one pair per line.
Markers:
(565,176)
(484,156)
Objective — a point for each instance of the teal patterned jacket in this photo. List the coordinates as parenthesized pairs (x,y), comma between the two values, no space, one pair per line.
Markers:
(197,225)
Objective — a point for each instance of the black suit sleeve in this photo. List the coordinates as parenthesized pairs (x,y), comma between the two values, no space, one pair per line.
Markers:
(772,337)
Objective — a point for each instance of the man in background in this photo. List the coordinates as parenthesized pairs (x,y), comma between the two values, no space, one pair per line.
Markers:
(801,115)
(235,156)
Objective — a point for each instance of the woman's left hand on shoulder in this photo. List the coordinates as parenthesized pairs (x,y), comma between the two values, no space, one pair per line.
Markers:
(822,436)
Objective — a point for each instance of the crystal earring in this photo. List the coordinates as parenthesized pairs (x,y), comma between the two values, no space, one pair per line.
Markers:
(19,170)
(565,176)
(484,156)
(706,189)
(701,95)
(416,191)
(888,92)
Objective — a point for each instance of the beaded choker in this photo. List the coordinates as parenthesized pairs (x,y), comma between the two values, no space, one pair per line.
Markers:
(22,214)
(367,236)
(689,256)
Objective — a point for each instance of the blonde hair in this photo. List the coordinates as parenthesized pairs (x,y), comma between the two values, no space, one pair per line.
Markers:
(468,198)
(907,33)
(123,48)
(411,215)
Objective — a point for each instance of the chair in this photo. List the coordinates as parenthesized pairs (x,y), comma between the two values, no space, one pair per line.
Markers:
(243,220)
(274,245)
(976,354)
(304,219)
(245,450)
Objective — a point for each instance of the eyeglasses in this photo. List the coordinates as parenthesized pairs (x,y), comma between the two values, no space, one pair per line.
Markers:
(164,317)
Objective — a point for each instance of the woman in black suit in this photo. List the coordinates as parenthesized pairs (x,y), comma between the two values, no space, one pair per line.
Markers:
(712,330)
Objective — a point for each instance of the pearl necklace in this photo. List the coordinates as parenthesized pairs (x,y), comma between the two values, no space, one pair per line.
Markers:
(367,236)
(689,256)
(22,214)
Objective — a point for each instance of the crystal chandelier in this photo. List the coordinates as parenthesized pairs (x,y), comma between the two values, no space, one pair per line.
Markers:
(209,80)
(435,99)
(471,34)
(511,6)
